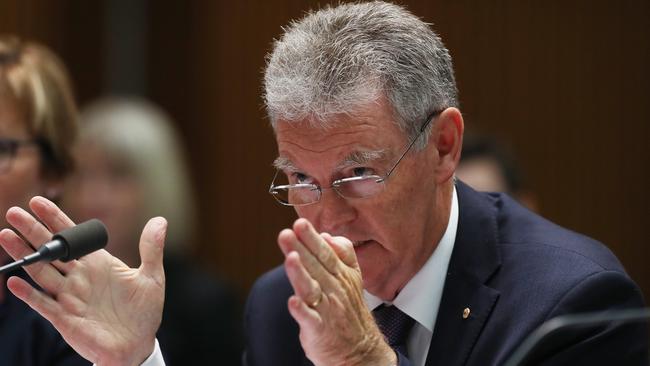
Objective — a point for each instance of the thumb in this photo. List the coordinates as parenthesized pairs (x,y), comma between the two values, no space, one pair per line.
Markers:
(152,242)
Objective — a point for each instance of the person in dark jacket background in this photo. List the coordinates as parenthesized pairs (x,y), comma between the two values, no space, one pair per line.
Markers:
(131,166)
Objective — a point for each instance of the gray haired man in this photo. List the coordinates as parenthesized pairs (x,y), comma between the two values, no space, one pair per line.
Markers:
(392,261)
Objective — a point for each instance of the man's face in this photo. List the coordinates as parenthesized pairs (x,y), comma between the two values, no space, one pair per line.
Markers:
(395,231)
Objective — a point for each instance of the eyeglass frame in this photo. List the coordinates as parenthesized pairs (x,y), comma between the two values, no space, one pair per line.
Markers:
(335,184)
(14,145)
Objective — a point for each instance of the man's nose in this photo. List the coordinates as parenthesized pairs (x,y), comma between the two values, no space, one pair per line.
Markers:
(334,212)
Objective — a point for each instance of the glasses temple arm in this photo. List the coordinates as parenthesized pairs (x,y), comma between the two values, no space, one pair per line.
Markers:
(424,126)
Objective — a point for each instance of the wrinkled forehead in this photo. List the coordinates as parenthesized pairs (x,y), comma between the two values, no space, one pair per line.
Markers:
(308,148)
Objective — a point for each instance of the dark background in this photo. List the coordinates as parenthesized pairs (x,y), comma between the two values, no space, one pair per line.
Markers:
(567,83)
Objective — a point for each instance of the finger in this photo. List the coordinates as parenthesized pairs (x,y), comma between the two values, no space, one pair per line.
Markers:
(343,248)
(307,318)
(288,241)
(303,284)
(50,214)
(46,276)
(316,245)
(285,245)
(34,232)
(152,243)
(41,303)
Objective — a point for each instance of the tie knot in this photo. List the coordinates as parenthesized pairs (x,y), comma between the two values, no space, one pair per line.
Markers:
(394,324)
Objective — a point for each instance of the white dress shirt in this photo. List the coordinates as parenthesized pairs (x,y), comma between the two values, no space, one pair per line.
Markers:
(420,298)
(156,358)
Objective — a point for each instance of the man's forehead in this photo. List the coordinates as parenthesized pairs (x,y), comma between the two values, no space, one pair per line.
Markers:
(376,111)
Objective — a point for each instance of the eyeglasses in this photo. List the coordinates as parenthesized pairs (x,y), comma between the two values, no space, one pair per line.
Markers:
(8,150)
(349,188)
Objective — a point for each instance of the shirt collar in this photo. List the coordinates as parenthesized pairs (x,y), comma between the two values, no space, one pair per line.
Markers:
(420,298)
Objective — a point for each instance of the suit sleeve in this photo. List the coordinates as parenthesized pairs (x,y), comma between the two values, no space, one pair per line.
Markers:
(272,336)
(614,343)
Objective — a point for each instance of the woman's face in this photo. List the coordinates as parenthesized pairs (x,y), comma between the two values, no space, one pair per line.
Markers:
(105,187)
(20,179)
(20,173)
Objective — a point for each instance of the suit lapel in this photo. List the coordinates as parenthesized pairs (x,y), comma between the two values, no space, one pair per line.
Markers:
(474,259)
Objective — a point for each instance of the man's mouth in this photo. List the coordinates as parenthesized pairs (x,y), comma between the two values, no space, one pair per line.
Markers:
(360,243)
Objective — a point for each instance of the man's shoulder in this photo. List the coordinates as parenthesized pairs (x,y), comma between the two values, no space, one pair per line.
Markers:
(499,219)
(271,331)
(539,270)
(509,237)
(532,256)
(268,297)
(274,283)
(525,233)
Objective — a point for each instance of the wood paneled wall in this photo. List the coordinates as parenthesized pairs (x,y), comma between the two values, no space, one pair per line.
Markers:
(567,83)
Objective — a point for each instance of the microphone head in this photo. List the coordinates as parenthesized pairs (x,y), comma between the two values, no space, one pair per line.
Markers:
(82,239)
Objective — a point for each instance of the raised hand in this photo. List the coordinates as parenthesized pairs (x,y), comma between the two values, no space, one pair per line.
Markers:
(336,327)
(109,313)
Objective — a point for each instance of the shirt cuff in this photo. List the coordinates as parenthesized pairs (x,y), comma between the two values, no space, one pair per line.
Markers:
(154,359)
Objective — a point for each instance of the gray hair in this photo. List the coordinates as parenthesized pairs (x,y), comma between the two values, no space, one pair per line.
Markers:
(141,136)
(339,58)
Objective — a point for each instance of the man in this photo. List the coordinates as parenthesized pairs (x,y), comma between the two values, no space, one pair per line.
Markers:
(363,103)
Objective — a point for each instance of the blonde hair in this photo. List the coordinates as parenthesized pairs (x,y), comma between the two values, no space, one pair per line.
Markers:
(36,79)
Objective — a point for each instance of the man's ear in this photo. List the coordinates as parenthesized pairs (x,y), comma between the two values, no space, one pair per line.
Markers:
(447,140)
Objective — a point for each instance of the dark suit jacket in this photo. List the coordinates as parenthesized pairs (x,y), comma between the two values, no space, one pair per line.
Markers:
(28,339)
(514,270)
(201,319)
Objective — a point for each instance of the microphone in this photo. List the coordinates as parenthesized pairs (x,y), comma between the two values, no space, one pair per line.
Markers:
(67,245)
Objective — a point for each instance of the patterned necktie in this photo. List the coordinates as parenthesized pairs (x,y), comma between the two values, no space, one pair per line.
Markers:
(395,325)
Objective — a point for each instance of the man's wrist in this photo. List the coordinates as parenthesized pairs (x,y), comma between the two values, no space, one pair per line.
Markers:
(155,359)
(374,352)
(138,356)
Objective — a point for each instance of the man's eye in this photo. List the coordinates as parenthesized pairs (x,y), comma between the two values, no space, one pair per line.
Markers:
(361,172)
(299,178)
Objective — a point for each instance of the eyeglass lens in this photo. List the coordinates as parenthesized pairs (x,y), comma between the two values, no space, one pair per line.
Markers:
(7,151)
(355,187)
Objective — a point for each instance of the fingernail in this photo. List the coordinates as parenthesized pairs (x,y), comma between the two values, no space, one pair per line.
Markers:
(160,221)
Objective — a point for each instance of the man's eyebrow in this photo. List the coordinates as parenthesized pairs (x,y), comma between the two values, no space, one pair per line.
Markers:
(360,158)
(282,163)
(356,158)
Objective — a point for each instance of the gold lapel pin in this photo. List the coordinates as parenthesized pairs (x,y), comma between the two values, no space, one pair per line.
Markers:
(466,312)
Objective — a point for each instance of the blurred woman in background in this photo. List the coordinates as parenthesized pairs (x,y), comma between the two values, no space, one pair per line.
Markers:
(38,124)
(131,168)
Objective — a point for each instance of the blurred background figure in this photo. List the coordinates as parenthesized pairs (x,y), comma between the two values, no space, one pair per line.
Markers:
(38,123)
(487,164)
(131,168)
